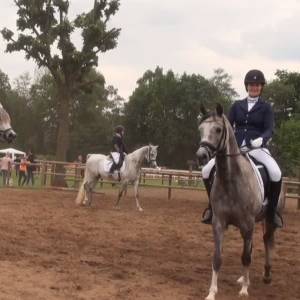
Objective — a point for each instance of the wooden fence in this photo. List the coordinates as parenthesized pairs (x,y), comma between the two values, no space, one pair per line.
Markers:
(158,178)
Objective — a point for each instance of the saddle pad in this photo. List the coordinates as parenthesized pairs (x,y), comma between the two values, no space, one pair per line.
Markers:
(109,161)
(259,179)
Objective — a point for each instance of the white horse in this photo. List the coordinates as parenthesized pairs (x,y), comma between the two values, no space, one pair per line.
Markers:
(97,166)
(6,132)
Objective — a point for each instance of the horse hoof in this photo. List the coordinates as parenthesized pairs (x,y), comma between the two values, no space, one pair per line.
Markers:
(267,280)
(140,209)
(210,297)
(243,293)
(117,207)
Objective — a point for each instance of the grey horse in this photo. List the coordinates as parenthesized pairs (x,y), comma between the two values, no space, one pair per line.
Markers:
(235,196)
(95,169)
(7,134)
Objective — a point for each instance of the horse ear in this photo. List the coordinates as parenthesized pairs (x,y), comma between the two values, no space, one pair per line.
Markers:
(156,147)
(219,109)
(203,110)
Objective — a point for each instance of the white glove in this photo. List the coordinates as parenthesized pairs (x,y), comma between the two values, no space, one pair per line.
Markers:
(257,142)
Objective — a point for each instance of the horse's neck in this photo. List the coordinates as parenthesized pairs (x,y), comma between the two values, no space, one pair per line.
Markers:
(230,162)
(137,157)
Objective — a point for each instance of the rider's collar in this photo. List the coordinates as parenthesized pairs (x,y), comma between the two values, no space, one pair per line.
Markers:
(252,99)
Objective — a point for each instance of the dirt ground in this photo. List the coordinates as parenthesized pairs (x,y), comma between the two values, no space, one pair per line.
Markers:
(51,249)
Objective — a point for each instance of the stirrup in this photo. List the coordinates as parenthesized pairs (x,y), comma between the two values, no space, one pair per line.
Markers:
(207,216)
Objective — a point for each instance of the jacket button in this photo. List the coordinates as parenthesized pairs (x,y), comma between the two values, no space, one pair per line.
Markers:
(245,130)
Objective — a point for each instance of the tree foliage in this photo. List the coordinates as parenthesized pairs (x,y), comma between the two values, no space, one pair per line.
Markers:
(46,37)
(163,110)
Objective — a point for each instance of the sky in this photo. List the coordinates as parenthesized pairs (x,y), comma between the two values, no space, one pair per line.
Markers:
(192,36)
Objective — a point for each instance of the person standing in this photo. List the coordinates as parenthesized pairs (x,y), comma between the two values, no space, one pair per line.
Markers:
(22,171)
(30,167)
(17,164)
(6,164)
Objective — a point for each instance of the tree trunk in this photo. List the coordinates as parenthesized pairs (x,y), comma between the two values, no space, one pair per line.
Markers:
(62,141)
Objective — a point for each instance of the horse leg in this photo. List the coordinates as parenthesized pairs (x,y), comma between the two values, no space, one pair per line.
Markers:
(136,195)
(244,280)
(269,243)
(89,186)
(218,231)
(121,190)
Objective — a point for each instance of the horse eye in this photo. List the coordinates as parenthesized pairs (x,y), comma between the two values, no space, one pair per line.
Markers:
(218,130)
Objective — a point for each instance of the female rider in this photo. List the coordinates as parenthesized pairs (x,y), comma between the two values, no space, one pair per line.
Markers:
(253,123)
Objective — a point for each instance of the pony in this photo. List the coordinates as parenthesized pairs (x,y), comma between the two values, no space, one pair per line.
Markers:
(97,166)
(236,197)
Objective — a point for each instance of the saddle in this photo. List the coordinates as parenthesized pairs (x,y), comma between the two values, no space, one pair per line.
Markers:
(263,180)
(113,158)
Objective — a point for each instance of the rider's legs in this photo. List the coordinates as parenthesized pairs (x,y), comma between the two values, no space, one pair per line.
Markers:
(207,180)
(117,166)
(263,156)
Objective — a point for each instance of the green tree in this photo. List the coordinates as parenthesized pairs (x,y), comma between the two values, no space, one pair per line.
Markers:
(163,110)
(283,98)
(287,145)
(223,82)
(45,36)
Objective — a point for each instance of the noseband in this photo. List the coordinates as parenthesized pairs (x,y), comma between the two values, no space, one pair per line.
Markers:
(220,149)
(4,132)
(149,157)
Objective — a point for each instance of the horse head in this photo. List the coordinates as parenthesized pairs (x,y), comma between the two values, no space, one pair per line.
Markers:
(6,132)
(151,156)
(212,130)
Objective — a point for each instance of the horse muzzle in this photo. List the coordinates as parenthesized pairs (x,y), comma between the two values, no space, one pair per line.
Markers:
(203,155)
(10,135)
(153,164)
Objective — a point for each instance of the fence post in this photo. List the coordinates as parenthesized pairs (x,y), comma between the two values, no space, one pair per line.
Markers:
(170,188)
(43,173)
(298,206)
(77,174)
(284,194)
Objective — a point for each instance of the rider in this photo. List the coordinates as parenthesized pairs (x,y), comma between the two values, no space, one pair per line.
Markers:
(253,123)
(118,146)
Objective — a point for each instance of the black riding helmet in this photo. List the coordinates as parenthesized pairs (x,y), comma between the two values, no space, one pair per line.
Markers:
(119,129)
(254,76)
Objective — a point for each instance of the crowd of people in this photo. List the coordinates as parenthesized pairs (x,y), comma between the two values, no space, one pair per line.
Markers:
(24,166)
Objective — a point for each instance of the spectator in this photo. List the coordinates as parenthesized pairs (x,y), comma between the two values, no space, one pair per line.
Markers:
(22,171)
(30,167)
(6,164)
(17,164)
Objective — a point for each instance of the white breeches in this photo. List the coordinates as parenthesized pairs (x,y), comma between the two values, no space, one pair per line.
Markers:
(262,155)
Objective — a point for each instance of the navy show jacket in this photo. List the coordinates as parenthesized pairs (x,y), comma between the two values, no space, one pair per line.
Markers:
(258,122)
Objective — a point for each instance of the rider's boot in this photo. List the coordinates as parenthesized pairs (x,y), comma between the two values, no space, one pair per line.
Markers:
(273,217)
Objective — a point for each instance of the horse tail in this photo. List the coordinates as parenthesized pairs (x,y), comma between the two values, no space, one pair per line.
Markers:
(81,191)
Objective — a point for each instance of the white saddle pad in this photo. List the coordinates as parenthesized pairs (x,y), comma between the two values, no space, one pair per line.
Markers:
(109,161)
(260,181)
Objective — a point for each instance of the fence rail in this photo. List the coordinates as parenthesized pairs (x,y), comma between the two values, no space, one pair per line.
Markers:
(169,179)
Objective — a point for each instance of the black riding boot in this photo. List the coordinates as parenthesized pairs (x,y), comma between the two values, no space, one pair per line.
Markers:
(273,217)
(207,214)
(112,170)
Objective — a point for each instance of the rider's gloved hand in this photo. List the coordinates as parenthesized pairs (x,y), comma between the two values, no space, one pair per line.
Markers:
(257,143)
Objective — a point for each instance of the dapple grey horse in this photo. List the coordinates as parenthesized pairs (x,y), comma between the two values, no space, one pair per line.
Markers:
(6,132)
(235,196)
(95,169)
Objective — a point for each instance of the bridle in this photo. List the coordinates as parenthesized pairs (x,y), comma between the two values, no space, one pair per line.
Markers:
(4,132)
(220,149)
(149,155)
